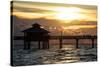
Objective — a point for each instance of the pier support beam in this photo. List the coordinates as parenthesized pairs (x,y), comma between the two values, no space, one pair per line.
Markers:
(26,45)
(29,44)
(48,44)
(60,41)
(39,45)
(77,44)
(45,45)
(92,43)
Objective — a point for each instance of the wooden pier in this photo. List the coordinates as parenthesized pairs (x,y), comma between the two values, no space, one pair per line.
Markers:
(61,38)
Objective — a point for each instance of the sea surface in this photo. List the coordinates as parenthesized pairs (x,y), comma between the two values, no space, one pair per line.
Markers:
(54,55)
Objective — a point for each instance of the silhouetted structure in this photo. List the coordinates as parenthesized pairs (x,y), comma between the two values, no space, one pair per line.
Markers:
(36,33)
(61,38)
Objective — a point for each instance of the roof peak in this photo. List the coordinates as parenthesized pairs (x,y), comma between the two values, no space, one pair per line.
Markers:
(36,25)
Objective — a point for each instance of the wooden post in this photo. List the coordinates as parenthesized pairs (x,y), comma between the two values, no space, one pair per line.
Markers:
(77,43)
(60,41)
(43,44)
(92,43)
(25,42)
(39,47)
(48,44)
(28,45)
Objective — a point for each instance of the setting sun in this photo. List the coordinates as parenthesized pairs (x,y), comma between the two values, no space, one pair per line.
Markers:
(71,13)
(66,16)
(68,9)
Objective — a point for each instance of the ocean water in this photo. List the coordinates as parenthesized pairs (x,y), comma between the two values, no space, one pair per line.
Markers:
(54,55)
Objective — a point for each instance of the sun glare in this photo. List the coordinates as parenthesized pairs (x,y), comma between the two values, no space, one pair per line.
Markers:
(65,16)
(68,9)
(71,13)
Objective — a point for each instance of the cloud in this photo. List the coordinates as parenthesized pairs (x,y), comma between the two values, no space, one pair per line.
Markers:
(49,6)
(36,9)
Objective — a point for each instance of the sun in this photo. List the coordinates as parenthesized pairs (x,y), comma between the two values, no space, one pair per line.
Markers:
(66,16)
(71,13)
(67,9)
